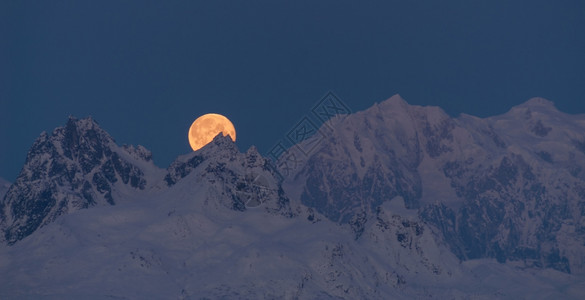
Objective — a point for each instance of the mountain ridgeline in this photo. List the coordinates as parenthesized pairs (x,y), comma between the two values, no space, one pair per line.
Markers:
(509,187)
(396,194)
(76,167)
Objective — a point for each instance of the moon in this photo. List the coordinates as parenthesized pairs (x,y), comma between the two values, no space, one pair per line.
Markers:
(207,127)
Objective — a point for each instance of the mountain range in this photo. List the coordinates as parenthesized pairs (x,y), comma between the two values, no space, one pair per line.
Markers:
(397,201)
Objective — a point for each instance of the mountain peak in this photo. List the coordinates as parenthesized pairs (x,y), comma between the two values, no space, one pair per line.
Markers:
(86,123)
(538,103)
(395,101)
(139,152)
(220,148)
(81,137)
(222,140)
(252,151)
(77,166)
(221,145)
(533,109)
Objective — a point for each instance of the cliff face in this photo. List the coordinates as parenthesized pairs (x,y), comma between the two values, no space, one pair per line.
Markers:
(510,187)
(76,167)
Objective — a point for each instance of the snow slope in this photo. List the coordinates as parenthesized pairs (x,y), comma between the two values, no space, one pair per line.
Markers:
(509,187)
(398,202)
(76,167)
(183,244)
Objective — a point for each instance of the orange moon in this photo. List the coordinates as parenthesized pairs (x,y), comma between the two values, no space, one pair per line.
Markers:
(207,127)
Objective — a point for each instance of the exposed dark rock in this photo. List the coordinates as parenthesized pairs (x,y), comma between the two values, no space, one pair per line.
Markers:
(74,168)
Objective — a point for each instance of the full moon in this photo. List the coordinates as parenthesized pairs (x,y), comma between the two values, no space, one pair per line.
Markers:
(208,126)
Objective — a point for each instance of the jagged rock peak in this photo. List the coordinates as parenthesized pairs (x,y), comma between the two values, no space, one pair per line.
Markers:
(80,140)
(78,166)
(253,150)
(250,179)
(220,146)
(87,122)
(223,141)
(138,152)
(76,127)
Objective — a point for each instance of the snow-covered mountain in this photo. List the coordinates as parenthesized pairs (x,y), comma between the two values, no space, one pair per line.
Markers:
(77,166)
(397,201)
(249,179)
(510,187)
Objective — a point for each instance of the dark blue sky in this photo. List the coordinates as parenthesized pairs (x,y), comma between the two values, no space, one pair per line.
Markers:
(146,69)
